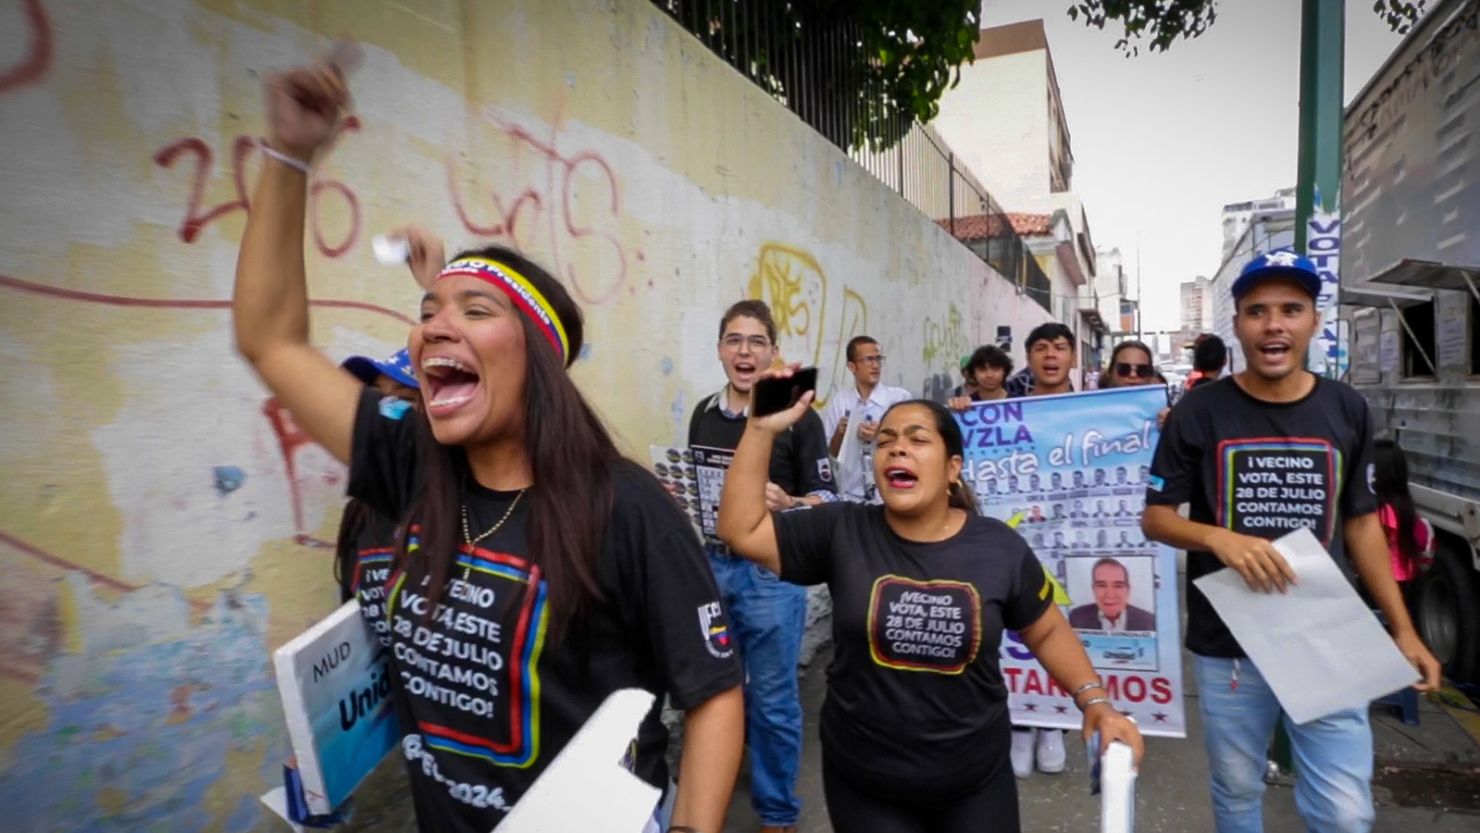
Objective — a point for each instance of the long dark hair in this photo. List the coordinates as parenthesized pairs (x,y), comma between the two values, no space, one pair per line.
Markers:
(571,458)
(1109,375)
(1390,482)
(961,497)
(346,555)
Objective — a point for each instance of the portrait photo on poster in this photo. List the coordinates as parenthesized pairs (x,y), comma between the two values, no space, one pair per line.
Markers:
(1111,592)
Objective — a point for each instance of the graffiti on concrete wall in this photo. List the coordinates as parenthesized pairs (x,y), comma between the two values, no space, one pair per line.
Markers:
(322,191)
(945,339)
(566,204)
(794,285)
(35,61)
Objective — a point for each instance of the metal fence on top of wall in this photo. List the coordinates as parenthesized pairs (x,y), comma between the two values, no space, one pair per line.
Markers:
(813,72)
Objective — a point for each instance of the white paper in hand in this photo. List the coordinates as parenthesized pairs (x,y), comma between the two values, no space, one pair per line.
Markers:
(585,788)
(1118,789)
(1318,646)
(390,251)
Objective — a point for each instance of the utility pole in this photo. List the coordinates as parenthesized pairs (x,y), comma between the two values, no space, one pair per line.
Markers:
(1318,179)
(1138,285)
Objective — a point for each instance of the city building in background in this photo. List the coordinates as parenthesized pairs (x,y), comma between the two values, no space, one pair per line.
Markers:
(1264,232)
(1005,121)
(1118,306)
(1237,216)
(1197,305)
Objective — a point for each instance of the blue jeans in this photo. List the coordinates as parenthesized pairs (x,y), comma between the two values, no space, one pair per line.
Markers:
(1333,755)
(768,616)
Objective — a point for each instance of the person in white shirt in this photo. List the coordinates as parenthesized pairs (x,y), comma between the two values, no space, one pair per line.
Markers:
(860,405)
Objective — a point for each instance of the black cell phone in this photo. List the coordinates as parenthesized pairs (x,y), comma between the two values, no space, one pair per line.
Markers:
(773,396)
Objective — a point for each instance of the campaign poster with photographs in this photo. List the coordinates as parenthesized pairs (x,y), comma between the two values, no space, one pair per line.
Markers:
(696,476)
(1069,473)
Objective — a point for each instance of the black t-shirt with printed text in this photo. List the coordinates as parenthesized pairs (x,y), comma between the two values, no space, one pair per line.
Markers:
(1264,469)
(800,463)
(374,548)
(484,697)
(916,705)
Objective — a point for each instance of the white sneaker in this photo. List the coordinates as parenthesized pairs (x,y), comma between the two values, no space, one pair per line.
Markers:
(1051,754)
(1022,752)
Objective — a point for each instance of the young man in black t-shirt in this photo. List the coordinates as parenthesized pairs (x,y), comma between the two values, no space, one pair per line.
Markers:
(1051,353)
(768,615)
(1277,425)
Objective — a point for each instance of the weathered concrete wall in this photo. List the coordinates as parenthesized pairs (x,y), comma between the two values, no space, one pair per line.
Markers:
(160,532)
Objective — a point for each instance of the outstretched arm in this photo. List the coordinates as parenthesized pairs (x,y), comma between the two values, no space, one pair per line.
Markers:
(270,302)
(744,522)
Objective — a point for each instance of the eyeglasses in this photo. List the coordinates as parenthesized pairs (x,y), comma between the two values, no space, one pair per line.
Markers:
(1140,371)
(877,358)
(735,340)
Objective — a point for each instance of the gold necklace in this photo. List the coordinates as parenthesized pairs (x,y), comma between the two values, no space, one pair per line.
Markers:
(472,542)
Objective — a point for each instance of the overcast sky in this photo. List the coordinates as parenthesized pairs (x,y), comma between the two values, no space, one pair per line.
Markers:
(1162,141)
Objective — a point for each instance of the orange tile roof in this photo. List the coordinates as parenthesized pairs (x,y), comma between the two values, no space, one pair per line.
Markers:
(983,226)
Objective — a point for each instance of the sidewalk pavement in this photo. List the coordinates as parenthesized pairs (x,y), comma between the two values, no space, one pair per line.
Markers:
(1422,770)
(1418,767)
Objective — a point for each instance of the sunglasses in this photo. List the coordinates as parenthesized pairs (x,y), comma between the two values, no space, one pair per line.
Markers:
(1140,371)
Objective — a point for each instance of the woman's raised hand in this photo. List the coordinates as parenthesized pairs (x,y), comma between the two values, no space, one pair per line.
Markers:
(305,107)
(781,420)
(426,253)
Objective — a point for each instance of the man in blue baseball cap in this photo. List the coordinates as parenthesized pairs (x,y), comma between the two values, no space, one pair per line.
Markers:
(367,540)
(391,376)
(1259,454)
(1286,266)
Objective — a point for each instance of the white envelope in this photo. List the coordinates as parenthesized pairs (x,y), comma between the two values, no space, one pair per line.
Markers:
(1318,645)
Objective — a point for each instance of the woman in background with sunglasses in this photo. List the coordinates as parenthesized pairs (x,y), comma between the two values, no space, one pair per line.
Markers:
(1130,364)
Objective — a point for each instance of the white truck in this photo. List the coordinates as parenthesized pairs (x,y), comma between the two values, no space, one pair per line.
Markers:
(1410,296)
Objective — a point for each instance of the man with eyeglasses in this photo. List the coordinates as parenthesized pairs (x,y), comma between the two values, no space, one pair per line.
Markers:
(862,404)
(767,614)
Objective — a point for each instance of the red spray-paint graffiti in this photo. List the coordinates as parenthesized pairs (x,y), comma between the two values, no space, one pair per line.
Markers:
(291,439)
(196,219)
(33,288)
(562,190)
(33,66)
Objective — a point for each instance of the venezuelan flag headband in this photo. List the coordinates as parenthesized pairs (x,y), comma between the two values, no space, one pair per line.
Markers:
(521,292)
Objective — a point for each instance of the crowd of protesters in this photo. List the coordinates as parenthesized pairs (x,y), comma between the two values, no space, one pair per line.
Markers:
(493,515)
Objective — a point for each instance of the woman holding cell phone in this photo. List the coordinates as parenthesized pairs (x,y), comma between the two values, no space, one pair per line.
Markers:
(915,730)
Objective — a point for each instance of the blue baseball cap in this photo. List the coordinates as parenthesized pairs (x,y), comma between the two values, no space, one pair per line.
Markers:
(1285,265)
(397,367)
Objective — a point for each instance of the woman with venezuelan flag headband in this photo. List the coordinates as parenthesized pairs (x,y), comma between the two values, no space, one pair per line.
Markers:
(541,570)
